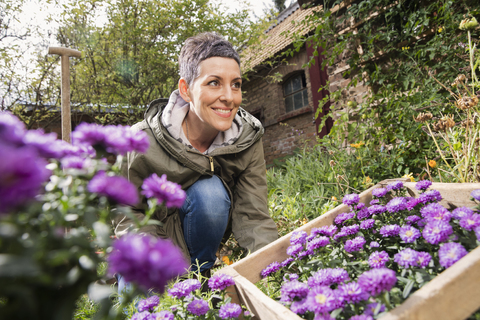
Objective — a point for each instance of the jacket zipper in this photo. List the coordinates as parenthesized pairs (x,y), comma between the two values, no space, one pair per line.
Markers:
(211,164)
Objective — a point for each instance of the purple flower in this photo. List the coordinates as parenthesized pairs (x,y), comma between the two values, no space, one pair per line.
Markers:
(45,143)
(164,190)
(411,219)
(378,259)
(149,262)
(396,185)
(396,204)
(221,281)
(451,252)
(406,258)
(115,188)
(364,213)
(412,203)
(114,139)
(12,129)
(476,194)
(162,315)
(271,268)
(461,212)
(351,199)
(325,230)
(437,231)
(409,234)
(323,316)
(184,288)
(75,162)
(361,317)
(352,292)
(371,307)
(342,217)
(321,299)
(318,243)
(290,277)
(350,230)
(148,304)
(423,184)
(355,245)
(339,275)
(375,281)
(430,196)
(294,290)
(374,244)
(376,209)
(435,211)
(286,262)
(22,174)
(360,206)
(299,307)
(144,315)
(298,237)
(423,259)
(327,277)
(367,224)
(294,250)
(230,310)
(339,235)
(374,201)
(391,230)
(198,307)
(379,192)
(470,222)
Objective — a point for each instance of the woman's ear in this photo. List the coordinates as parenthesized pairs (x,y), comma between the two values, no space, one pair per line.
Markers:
(184,90)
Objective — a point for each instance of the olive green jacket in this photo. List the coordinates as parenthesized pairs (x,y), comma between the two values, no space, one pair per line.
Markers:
(241,167)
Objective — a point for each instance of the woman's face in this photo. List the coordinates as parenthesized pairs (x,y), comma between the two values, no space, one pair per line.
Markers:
(216,94)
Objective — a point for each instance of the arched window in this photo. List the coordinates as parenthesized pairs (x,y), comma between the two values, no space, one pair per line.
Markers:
(295,92)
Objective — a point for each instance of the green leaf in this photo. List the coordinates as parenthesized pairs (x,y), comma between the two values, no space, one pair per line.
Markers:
(408,288)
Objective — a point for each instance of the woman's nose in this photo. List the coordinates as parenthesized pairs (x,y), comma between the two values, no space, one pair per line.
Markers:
(227,94)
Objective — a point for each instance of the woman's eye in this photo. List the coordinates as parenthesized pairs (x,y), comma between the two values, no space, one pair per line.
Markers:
(237,85)
(213,83)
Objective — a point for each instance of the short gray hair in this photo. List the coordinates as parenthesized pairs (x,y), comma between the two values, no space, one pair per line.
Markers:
(201,47)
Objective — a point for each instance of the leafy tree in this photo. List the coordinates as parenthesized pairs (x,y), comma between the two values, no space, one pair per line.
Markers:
(279,5)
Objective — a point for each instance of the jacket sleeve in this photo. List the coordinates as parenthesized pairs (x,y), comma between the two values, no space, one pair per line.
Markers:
(251,223)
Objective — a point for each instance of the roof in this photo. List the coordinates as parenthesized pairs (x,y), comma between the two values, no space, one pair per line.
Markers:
(274,40)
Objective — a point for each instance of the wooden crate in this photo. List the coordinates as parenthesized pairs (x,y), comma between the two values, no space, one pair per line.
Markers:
(453,294)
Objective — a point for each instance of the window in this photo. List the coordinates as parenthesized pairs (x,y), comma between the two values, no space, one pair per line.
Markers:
(295,92)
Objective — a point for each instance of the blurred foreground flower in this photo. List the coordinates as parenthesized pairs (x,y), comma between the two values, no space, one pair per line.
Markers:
(165,191)
(115,188)
(146,261)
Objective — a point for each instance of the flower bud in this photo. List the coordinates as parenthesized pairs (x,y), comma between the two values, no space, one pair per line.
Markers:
(468,24)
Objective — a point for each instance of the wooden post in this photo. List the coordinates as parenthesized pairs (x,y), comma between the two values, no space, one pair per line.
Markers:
(65,55)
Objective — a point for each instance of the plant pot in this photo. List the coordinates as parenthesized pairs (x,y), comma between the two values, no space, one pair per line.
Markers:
(453,294)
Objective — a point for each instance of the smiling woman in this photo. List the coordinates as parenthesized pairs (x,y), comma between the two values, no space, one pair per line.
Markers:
(202,140)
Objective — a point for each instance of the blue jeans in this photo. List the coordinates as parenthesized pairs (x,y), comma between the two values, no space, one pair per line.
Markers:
(204,216)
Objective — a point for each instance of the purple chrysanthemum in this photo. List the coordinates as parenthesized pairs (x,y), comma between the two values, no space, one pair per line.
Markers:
(230,310)
(327,277)
(165,191)
(342,217)
(396,185)
(423,259)
(198,307)
(294,250)
(396,204)
(423,184)
(144,315)
(115,188)
(184,288)
(12,129)
(321,299)
(367,224)
(45,143)
(350,230)
(412,203)
(148,304)
(364,213)
(317,243)
(379,192)
(150,262)
(470,222)
(435,211)
(299,307)
(378,259)
(409,234)
(339,275)
(114,139)
(294,290)
(475,194)
(375,281)
(286,262)
(325,230)
(290,277)
(437,231)
(22,174)
(461,212)
(351,292)
(298,237)
(374,201)
(411,219)
(271,268)
(374,244)
(371,307)
(430,196)
(376,209)
(351,199)
(360,206)
(75,162)
(391,230)
(451,252)
(221,281)
(406,258)
(339,235)
(162,315)
(361,317)
(355,244)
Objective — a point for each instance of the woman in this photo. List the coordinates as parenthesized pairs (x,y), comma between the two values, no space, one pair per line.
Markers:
(201,139)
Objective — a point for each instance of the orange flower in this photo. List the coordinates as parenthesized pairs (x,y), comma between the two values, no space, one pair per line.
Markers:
(432,163)
(334,198)
(226,260)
